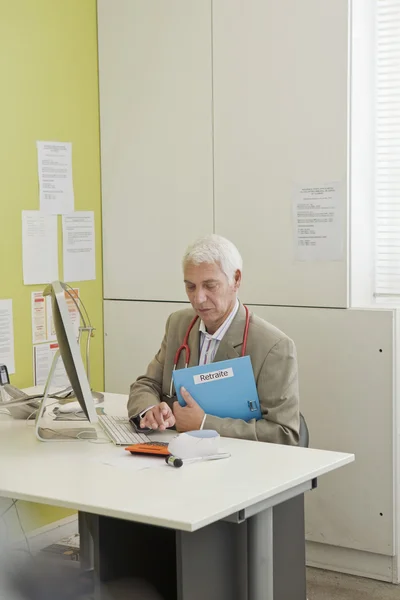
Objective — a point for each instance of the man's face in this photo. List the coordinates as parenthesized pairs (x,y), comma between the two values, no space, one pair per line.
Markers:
(210,293)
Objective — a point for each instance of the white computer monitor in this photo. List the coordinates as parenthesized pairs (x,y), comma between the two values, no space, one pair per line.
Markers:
(70,353)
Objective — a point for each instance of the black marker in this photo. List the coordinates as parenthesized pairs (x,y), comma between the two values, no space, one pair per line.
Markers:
(173,461)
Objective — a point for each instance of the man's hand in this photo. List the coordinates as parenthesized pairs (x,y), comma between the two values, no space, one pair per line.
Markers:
(189,417)
(159,417)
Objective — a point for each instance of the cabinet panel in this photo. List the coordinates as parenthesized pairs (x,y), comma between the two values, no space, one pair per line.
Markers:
(346,361)
(280,121)
(156,141)
(133,336)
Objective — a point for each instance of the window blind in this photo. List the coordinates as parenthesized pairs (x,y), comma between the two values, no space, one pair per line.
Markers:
(387,149)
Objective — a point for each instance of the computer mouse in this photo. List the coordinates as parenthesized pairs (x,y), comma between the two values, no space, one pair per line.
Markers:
(193,444)
(70,407)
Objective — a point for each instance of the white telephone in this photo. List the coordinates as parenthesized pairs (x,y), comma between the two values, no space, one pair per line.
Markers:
(17,403)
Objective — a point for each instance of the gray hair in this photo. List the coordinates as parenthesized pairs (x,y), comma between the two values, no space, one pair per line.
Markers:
(215,249)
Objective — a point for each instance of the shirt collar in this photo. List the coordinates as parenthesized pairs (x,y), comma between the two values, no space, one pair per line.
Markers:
(219,334)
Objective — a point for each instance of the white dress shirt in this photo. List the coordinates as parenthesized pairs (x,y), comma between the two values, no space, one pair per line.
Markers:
(209,343)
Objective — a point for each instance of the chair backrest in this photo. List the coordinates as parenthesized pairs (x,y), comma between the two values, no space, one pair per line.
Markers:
(304,437)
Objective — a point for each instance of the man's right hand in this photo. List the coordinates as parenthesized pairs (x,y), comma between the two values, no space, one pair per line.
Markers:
(159,417)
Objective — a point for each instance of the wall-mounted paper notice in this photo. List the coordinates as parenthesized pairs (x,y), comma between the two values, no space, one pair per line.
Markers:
(39,247)
(317,222)
(78,246)
(72,311)
(39,326)
(43,355)
(7,336)
(42,316)
(73,308)
(55,177)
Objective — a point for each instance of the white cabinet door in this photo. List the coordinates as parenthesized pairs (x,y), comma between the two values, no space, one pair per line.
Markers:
(346,360)
(280,72)
(133,334)
(156,141)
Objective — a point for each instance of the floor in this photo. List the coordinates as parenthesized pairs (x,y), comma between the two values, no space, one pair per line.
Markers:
(321,585)
(326,585)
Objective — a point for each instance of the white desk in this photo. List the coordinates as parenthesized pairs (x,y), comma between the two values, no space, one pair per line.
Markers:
(201,496)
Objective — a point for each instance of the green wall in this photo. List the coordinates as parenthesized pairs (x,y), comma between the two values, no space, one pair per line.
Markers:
(49,91)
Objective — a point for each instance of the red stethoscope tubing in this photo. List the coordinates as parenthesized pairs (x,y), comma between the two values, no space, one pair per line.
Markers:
(185,346)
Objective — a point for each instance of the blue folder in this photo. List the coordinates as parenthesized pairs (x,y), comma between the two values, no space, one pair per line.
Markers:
(223,389)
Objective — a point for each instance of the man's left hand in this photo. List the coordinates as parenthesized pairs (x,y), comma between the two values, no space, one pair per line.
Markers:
(189,417)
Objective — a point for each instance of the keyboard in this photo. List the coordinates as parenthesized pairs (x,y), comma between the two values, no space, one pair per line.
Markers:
(120,431)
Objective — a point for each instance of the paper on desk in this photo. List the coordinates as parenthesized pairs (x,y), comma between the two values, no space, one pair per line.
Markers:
(318,223)
(122,459)
(79,246)
(43,355)
(7,336)
(55,177)
(39,247)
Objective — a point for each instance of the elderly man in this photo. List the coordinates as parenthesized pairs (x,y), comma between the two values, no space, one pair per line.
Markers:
(212,269)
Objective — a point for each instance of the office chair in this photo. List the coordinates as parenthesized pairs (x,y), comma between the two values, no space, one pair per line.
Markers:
(304,437)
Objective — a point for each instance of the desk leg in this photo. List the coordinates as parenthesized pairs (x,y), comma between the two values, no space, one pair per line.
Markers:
(289,550)
(86,555)
(126,553)
(212,563)
(88,549)
(260,556)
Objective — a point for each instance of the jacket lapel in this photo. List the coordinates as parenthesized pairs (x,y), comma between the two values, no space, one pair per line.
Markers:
(231,343)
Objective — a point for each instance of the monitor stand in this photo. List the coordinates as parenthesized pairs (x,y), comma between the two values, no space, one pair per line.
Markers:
(68,395)
(50,431)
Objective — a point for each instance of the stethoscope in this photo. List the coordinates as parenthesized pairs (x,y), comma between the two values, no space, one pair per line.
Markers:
(184,347)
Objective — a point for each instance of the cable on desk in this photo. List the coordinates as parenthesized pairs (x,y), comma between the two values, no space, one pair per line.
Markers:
(31,414)
(36,409)
(72,437)
(98,440)
(104,440)
(78,436)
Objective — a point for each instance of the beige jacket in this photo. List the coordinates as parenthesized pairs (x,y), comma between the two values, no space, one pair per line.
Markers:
(273,357)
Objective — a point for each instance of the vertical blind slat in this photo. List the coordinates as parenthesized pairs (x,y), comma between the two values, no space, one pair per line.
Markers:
(387,149)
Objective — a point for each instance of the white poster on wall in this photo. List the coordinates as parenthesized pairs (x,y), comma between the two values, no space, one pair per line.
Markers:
(318,223)
(39,247)
(55,177)
(39,325)
(43,355)
(7,336)
(42,315)
(79,246)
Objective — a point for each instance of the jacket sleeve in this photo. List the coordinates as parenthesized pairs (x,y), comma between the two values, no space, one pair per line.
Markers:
(278,392)
(146,391)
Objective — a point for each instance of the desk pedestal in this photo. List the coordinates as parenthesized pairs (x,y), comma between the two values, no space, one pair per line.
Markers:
(262,558)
